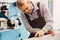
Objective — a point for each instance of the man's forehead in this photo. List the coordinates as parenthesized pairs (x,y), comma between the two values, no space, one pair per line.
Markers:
(23,7)
(24,1)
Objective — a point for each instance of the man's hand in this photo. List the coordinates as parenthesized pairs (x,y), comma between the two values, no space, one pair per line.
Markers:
(51,32)
(39,33)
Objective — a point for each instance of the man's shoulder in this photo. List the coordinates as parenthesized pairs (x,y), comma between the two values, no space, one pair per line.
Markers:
(36,1)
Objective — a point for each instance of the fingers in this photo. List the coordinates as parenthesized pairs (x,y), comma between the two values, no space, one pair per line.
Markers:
(53,33)
(39,34)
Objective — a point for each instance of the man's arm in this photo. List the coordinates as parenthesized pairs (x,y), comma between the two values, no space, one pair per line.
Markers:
(48,18)
(28,27)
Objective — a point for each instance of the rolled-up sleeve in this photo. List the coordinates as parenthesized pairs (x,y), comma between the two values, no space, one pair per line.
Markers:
(48,18)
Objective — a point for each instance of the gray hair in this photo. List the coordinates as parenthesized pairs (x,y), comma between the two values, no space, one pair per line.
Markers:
(21,2)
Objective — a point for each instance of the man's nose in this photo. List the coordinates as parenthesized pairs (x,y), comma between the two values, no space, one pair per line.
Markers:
(26,10)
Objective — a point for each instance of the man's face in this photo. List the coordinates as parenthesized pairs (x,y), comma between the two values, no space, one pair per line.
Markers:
(27,7)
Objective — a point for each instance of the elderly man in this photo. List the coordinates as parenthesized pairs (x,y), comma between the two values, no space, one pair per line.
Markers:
(36,17)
